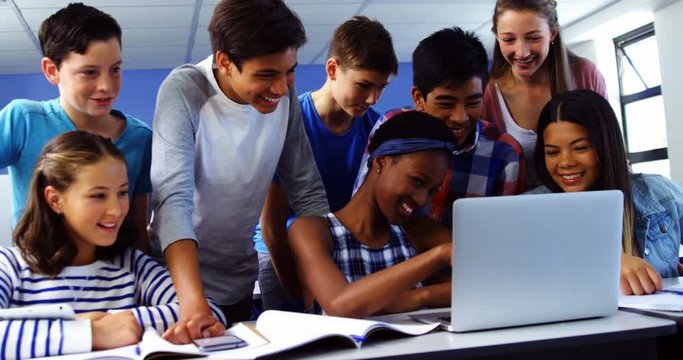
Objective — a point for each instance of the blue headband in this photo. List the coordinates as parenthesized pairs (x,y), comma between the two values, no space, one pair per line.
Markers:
(409,145)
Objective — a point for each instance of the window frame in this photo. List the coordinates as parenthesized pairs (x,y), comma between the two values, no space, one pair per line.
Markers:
(620,43)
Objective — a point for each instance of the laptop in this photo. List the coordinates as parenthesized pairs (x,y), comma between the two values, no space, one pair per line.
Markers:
(531,259)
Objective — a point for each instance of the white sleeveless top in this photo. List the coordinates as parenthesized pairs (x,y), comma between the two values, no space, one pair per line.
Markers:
(525,137)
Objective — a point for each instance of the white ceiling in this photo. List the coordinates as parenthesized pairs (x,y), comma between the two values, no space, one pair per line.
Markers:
(160,34)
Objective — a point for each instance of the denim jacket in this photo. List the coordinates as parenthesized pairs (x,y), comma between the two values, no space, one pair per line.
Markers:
(658,208)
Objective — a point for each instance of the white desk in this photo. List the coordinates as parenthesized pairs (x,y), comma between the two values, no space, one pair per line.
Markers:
(671,315)
(625,336)
(671,347)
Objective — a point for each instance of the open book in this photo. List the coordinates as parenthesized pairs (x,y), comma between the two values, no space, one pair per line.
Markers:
(282,330)
(274,332)
(152,347)
(664,301)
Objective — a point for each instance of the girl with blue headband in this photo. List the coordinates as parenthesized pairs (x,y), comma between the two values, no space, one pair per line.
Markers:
(358,261)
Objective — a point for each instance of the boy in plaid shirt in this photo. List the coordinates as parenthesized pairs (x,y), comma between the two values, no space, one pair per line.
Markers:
(449,73)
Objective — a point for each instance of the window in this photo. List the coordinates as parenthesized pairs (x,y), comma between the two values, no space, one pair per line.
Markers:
(642,107)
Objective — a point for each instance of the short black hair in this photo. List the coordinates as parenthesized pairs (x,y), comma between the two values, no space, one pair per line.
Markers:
(245,29)
(73,28)
(448,57)
(410,124)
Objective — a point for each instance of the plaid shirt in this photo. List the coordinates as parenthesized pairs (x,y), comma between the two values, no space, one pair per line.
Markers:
(357,260)
(492,165)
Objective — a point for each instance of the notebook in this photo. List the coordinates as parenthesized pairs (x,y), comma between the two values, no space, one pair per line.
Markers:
(669,299)
(532,259)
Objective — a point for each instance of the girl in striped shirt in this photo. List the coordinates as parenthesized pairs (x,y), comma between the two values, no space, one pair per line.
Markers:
(73,247)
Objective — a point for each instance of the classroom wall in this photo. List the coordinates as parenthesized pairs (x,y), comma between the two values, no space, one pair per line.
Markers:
(593,36)
(397,94)
(667,30)
(137,96)
(138,92)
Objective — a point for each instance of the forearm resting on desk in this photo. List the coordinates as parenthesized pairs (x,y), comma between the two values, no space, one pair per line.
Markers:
(36,338)
(424,297)
(391,288)
(114,330)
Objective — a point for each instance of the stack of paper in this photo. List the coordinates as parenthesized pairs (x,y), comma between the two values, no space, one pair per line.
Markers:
(665,301)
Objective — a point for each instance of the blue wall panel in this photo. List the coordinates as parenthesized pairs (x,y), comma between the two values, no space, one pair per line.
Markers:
(138,93)
(397,94)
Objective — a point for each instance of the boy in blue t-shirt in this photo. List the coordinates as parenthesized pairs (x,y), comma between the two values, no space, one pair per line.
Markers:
(82,57)
(338,118)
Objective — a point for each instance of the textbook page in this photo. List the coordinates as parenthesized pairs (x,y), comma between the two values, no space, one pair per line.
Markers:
(122,353)
(152,347)
(288,330)
(658,301)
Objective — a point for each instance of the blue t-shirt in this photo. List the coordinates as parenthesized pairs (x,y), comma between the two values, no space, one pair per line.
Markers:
(26,126)
(338,156)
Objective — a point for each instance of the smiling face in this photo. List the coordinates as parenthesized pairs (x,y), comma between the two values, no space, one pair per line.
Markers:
(355,90)
(407,183)
(94,205)
(88,83)
(459,108)
(570,157)
(260,82)
(524,38)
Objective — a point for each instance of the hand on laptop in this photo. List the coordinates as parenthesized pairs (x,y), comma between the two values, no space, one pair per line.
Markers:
(638,277)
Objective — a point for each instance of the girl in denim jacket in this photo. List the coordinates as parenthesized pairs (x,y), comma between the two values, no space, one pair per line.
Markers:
(583,150)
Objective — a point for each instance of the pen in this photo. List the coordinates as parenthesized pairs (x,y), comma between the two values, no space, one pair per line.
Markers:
(677,292)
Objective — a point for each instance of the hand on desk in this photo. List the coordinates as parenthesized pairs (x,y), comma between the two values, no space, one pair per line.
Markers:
(112,330)
(638,277)
(197,326)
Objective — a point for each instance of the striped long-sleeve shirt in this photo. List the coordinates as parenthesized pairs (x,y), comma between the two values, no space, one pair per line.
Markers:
(131,281)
